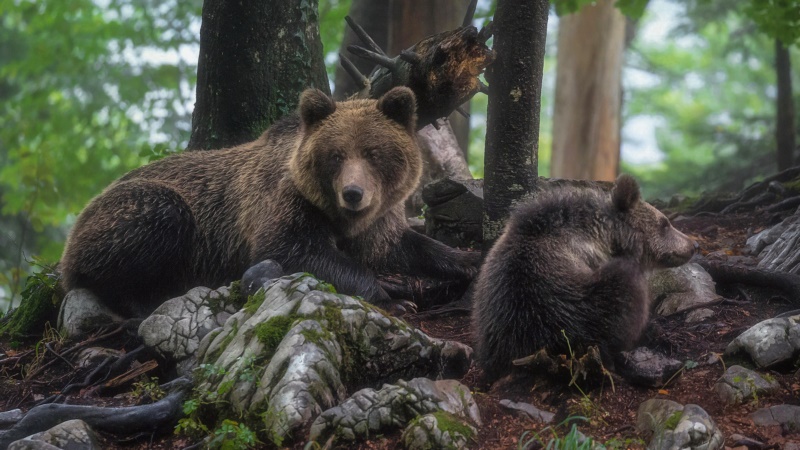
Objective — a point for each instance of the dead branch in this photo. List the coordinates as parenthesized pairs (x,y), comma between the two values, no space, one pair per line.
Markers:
(442,69)
(470,15)
(119,420)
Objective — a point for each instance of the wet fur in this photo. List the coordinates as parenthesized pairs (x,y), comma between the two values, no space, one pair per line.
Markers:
(203,218)
(573,259)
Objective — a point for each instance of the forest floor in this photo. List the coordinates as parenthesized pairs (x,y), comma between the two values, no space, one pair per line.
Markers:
(611,411)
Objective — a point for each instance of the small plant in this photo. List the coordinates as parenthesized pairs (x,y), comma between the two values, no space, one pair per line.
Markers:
(232,435)
(148,389)
(573,440)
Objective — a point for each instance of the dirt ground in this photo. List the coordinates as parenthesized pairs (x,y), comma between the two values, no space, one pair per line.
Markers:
(611,412)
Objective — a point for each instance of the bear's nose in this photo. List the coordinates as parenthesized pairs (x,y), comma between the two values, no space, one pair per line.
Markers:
(352,194)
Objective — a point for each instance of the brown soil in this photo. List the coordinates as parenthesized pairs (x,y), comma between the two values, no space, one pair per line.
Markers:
(611,412)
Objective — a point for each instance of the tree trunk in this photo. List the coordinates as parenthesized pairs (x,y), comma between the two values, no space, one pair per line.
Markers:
(785,127)
(586,120)
(512,129)
(255,59)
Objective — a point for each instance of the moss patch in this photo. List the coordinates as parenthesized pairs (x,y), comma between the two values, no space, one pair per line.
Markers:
(254,301)
(40,302)
(271,332)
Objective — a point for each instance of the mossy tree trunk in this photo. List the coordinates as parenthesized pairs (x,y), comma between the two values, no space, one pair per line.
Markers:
(512,131)
(255,59)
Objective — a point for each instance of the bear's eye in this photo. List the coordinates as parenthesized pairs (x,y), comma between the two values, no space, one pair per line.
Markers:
(664,223)
(337,158)
(372,153)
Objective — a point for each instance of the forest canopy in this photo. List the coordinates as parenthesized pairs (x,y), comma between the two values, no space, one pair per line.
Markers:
(92,89)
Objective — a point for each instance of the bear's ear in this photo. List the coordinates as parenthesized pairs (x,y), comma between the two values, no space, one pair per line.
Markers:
(625,193)
(315,106)
(400,105)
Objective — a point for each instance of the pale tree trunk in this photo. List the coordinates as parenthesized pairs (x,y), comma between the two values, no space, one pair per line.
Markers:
(586,120)
(255,60)
(512,128)
(785,126)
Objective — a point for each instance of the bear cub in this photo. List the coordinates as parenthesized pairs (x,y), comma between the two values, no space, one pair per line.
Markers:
(572,259)
(321,191)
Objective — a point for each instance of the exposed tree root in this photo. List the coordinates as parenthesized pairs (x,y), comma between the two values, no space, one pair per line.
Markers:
(726,272)
(120,420)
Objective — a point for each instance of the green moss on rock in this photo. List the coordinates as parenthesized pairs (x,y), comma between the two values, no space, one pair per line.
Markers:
(271,332)
(254,301)
(40,302)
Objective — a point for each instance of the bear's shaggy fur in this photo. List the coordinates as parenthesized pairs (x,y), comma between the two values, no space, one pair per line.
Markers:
(572,259)
(320,192)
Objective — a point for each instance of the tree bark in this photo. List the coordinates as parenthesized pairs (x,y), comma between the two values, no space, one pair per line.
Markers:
(255,59)
(586,120)
(784,109)
(512,130)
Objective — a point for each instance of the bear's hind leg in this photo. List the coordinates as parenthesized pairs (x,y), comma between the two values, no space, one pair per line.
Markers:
(619,304)
(132,246)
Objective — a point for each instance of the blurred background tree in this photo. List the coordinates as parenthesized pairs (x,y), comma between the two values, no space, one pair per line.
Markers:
(90,89)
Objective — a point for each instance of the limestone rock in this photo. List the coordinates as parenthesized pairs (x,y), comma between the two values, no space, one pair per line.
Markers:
(439,431)
(371,411)
(787,416)
(69,435)
(770,342)
(674,426)
(681,288)
(778,247)
(175,328)
(739,384)
(295,354)
(529,411)
(81,312)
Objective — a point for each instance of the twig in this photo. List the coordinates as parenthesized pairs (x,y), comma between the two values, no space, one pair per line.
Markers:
(461,111)
(49,347)
(353,71)
(470,15)
(377,58)
(74,348)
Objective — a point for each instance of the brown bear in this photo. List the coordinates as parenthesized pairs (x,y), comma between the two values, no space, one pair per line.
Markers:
(321,191)
(574,259)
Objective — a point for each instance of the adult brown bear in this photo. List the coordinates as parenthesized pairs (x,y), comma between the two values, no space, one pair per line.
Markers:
(573,259)
(320,192)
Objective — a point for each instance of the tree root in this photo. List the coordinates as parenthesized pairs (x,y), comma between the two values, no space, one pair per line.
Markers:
(756,195)
(731,273)
(118,420)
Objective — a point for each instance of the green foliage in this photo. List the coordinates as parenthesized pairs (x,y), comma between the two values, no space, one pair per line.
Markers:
(573,440)
(148,389)
(331,29)
(232,435)
(778,19)
(631,8)
(711,86)
(40,302)
(86,88)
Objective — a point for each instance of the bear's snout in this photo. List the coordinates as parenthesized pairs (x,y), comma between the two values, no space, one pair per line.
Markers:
(352,194)
(355,186)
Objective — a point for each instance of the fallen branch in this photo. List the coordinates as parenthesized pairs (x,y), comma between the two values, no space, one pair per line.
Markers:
(120,420)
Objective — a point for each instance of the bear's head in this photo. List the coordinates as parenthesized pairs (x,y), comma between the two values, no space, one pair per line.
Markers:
(646,231)
(357,159)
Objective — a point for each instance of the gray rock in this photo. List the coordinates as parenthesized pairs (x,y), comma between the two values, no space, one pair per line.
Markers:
(645,367)
(778,247)
(291,357)
(769,343)
(82,312)
(787,416)
(738,384)
(175,328)
(682,288)
(9,418)
(260,275)
(699,315)
(440,431)
(455,211)
(69,435)
(674,426)
(528,410)
(371,411)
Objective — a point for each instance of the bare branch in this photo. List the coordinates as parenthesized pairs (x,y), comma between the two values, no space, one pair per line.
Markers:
(364,36)
(461,111)
(377,58)
(410,57)
(351,69)
(470,13)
